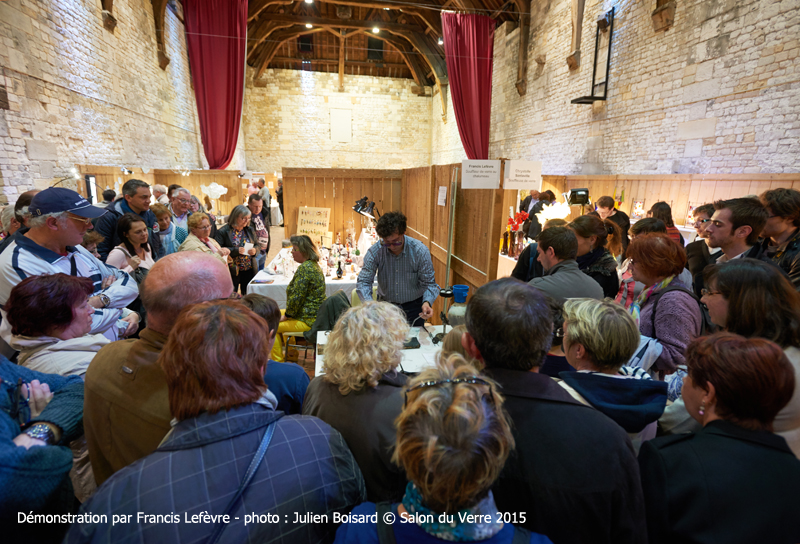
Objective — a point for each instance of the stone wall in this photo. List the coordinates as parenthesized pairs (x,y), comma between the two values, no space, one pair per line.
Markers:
(719,92)
(287,120)
(78,94)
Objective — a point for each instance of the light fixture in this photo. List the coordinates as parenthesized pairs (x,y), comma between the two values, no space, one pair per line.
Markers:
(375,29)
(309,1)
(241,175)
(360,204)
(126,171)
(371,212)
(441,41)
(309,25)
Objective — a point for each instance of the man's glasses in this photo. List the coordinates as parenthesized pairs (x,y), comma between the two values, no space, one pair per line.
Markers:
(473,380)
(384,243)
(184,201)
(79,219)
(701,221)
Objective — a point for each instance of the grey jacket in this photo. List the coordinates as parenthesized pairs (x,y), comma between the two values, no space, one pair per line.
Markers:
(565,280)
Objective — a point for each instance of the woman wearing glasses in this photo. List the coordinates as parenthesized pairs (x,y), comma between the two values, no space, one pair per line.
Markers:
(361,377)
(754,299)
(235,237)
(200,238)
(452,441)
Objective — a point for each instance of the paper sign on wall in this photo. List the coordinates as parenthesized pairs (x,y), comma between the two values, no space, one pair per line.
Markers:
(480,174)
(314,222)
(525,175)
(442,201)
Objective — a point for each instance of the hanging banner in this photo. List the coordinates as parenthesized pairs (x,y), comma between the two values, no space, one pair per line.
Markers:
(526,175)
(480,174)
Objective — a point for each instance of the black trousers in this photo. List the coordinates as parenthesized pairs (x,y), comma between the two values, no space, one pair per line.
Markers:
(242,279)
(412,310)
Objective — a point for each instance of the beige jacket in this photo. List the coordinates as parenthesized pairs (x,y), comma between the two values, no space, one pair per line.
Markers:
(193,243)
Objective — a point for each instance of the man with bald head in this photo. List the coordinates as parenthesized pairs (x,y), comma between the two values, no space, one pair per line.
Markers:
(126,408)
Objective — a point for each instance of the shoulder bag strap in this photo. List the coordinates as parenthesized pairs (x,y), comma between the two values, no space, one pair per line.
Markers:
(251,470)
(385,531)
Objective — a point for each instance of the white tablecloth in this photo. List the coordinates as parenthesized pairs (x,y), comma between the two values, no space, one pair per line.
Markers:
(275,216)
(277,289)
(413,360)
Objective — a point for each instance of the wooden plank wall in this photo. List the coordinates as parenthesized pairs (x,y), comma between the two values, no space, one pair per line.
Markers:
(237,187)
(339,189)
(480,215)
(107,176)
(679,189)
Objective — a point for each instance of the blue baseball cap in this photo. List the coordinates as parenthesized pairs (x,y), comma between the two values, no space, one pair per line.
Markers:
(61,199)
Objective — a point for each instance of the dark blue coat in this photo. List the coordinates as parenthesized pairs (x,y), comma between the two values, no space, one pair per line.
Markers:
(107,227)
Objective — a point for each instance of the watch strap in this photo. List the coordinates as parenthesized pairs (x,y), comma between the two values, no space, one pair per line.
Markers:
(105,300)
(41,431)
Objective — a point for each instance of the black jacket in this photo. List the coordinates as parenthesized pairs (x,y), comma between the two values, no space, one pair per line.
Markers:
(789,259)
(721,484)
(223,238)
(523,270)
(107,227)
(698,257)
(573,471)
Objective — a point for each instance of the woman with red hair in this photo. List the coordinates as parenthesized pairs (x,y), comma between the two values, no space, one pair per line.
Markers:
(666,310)
(734,481)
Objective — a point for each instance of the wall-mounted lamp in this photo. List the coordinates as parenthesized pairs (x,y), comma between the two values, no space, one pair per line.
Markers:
(126,171)
(360,205)
(371,212)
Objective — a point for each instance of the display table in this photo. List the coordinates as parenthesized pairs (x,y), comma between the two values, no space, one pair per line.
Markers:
(413,360)
(277,289)
(505,266)
(275,217)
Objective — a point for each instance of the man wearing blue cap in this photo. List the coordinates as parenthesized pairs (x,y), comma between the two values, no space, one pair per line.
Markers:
(59,219)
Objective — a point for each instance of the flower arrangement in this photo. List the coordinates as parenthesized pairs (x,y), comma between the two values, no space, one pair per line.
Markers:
(515,222)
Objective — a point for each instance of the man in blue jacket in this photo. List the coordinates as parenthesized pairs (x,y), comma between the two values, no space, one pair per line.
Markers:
(135,199)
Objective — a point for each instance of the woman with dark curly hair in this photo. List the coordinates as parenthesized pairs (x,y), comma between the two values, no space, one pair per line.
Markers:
(599,242)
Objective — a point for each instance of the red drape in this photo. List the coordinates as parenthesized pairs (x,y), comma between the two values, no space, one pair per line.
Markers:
(216,32)
(468,47)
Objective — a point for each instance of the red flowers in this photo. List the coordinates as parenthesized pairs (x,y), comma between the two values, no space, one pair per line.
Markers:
(517,220)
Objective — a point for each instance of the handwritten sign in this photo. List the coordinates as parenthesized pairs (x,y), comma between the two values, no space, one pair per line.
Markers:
(523,175)
(314,222)
(442,200)
(480,174)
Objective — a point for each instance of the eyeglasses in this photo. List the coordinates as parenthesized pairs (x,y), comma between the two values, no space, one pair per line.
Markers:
(184,201)
(79,219)
(208,227)
(384,243)
(709,292)
(701,221)
(559,332)
(473,380)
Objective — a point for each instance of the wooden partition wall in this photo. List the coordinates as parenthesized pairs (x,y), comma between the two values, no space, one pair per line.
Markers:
(679,189)
(110,177)
(338,189)
(480,216)
(237,187)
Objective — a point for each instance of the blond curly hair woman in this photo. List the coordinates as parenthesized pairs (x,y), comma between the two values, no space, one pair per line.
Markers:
(360,393)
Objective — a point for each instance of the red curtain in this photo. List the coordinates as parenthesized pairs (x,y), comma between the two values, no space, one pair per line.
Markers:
(216,32)
(468,47)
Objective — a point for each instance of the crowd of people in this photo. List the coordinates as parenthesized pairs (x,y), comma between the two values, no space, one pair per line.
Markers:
(613,390)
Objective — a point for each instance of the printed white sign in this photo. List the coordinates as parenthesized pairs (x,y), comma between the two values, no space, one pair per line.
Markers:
(526,175)
(480,174)
(442,201)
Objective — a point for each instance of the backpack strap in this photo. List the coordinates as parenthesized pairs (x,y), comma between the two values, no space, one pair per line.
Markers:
(385,531)
(521,536)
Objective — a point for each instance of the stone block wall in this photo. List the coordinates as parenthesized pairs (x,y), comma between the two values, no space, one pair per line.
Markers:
(287,122)
(719,92)
(79,94)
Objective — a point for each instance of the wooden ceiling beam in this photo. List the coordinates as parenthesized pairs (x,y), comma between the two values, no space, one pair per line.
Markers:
(261,33)
(333,62)
(255,7)
(343,23)
(413,61)
(277,40)
(421,42)
(524,7)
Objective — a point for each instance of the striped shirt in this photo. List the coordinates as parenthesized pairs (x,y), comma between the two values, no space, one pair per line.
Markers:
(401,278)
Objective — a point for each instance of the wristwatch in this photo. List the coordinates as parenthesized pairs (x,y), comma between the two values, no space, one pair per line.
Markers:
(41,431)
(104,299)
